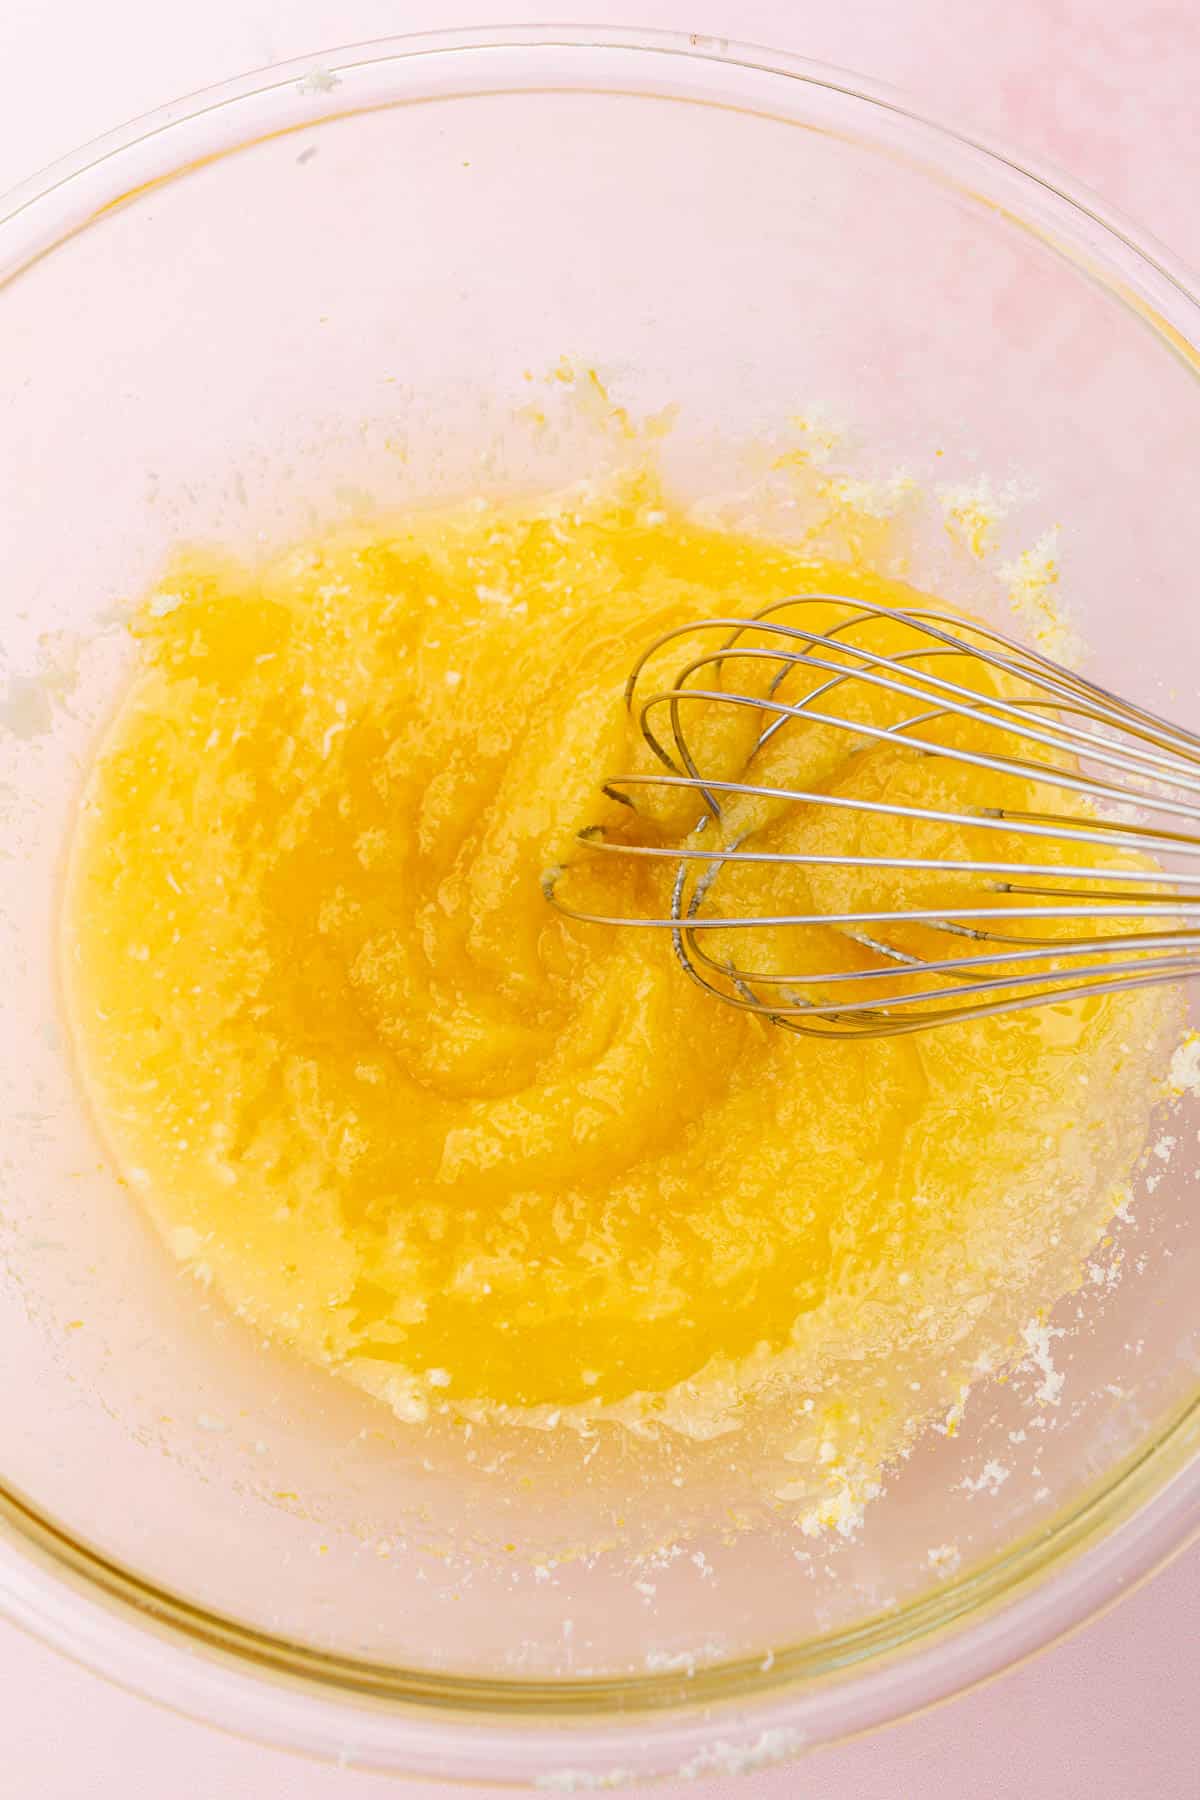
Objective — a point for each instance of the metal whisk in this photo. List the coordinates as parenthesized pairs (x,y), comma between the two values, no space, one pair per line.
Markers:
(1012,933)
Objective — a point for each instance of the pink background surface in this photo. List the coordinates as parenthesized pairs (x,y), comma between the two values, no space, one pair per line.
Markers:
(1108,92)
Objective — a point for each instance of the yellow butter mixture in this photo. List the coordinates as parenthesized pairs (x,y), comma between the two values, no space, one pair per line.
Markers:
(416,1125)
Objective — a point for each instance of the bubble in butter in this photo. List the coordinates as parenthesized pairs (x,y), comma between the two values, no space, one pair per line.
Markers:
(426,1132)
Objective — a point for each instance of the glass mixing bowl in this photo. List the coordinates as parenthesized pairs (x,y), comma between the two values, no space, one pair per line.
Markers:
(324,289)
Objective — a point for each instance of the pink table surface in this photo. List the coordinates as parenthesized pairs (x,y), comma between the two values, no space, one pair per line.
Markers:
(1108,90)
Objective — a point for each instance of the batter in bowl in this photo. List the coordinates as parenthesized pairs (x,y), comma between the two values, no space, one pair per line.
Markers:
(466,1153)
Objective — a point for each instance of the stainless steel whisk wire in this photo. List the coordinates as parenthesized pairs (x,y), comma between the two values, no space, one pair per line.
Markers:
(1157,761)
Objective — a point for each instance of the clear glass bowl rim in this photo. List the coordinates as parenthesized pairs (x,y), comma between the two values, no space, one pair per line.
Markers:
(729,1716)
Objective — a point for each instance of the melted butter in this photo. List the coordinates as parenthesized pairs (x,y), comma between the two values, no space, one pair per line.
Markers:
(438,1138)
